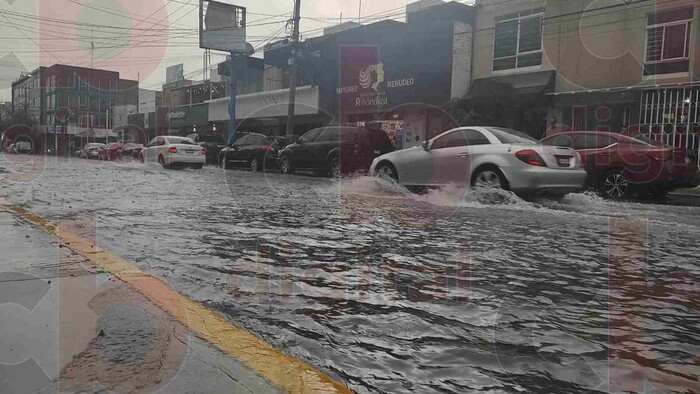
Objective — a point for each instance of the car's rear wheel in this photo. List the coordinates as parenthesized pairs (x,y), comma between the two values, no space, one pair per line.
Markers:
(489,178)
(286,165)
(387,171)
(614,185)
(334,167)
(254,165)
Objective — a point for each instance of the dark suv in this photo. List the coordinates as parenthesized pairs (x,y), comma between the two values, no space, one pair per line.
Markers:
(335,150)
(254,151)
(212,142)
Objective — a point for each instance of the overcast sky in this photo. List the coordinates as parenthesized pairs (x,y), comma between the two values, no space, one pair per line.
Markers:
(141,38)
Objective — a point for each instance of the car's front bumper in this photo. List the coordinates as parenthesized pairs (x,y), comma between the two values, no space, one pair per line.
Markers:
(545,180)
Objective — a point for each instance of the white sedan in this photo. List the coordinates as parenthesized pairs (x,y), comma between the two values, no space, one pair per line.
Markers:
(485,157)
(171,151)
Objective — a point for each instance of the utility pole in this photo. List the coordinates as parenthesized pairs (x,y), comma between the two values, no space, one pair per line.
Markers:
(293,69)
(92,50)
(359,13)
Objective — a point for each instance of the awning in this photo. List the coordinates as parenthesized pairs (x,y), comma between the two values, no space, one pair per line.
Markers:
(92,133)
(598,97)
(525,84)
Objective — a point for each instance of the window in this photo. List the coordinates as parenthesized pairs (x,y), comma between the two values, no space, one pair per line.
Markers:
(331,134)
(451,140)
(311,135)
(459,138)
(257,140)
(243,141)
(560,140)
(510,136)
(668,42)
(594,141)
(518,41)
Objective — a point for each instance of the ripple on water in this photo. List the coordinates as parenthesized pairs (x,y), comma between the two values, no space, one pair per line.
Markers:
(450,290)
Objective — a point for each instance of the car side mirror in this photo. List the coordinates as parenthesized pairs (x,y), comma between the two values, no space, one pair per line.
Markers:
(425,145)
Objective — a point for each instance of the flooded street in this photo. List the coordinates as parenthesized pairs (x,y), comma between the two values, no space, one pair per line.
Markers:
(388,291)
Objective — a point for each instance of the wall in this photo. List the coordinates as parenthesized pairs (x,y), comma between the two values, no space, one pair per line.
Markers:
(121,114)
(149,100)
(590,49)
(487,11)
(606,49)
(266,104)
(462,59)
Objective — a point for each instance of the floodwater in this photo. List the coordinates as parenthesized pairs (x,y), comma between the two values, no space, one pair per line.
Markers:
(452,291)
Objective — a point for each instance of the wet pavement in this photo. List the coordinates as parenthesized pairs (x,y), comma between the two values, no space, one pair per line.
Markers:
(387,291)
(66,326)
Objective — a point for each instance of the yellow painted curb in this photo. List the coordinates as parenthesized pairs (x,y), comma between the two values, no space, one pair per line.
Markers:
(288,373)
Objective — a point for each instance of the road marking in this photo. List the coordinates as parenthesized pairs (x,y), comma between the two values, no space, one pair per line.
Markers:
(288,373)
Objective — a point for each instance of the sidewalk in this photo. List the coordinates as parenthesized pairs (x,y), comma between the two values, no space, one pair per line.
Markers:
(67,326)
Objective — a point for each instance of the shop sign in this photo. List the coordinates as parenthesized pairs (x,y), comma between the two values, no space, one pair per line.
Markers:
(176,115)
(365,84)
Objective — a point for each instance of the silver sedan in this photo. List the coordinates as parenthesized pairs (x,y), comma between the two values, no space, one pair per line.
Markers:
(485,157)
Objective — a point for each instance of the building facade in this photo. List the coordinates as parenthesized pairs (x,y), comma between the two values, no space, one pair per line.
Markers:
(28,96)
(397,73)
(628,67)
(149,100)
(85,97)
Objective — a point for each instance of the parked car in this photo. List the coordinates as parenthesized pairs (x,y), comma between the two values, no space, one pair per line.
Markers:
(120,150)
(485,157)
(213,143)
(253,151)
(110,151)
(170,152)
(130,150)
(620,166)
(91,151)
(338,150)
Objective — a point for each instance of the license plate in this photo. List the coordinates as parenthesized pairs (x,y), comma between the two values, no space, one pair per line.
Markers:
(563,162)
(189,152)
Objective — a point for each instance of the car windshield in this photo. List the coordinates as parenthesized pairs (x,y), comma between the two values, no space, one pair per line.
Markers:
(510,136)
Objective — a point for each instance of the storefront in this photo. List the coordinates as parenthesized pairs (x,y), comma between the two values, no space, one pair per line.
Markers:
(188,120)
(604,110)
(517,101)
(400,74)
(266,112)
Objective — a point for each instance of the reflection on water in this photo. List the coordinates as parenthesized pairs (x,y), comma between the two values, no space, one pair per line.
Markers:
(447,291)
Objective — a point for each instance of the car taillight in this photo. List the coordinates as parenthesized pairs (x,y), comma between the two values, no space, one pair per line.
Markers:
(531,157)
(173,150)
(269,149)
(204,151)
